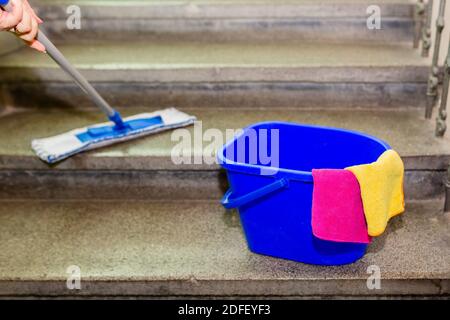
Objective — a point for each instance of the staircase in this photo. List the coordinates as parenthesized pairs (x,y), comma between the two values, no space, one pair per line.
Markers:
(138,225)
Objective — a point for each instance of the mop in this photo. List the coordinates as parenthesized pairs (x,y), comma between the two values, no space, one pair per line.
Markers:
(118,129)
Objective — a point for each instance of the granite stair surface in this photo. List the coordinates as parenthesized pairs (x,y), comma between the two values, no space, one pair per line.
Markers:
(196,248)
(136,223)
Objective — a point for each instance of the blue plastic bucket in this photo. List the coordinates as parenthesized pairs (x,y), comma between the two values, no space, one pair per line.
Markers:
(274,202)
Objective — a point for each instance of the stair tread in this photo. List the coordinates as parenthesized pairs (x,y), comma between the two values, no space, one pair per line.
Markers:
(405,130)
(180,54)
(185,247)
(110,61)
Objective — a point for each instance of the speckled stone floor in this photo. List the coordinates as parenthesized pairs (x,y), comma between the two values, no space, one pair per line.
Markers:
(198,248)
(110,55)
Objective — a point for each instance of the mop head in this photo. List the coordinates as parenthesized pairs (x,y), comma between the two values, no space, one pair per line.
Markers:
(57,148)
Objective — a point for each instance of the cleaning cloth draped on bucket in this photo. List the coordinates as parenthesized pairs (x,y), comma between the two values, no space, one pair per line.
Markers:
(381,184)
(337,209)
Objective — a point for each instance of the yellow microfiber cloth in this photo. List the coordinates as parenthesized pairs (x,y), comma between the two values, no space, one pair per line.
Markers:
(381,184)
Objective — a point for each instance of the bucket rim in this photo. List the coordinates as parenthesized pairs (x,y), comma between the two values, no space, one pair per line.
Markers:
(305,176)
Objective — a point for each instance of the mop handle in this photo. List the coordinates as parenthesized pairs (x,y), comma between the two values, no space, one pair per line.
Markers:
(59,58)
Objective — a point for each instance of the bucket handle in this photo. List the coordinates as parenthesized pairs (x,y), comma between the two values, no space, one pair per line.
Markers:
(230,203)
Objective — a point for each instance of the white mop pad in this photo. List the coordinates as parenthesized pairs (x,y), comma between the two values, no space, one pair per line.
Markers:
(57,148)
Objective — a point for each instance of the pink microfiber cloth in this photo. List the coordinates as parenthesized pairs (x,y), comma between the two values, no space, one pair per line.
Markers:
(337,208)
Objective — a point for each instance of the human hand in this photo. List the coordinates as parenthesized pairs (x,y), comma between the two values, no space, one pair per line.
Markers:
(19,18)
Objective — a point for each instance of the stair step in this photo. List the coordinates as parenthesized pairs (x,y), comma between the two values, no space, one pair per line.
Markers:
(190,61)
(235,20)
(190,248)
(194,74)
(144,168)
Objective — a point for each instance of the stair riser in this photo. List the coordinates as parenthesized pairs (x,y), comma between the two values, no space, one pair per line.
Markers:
(126,73)
(224,95)
(343,29)
(233,21)
(158,185)
(217,10)
(191,288)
